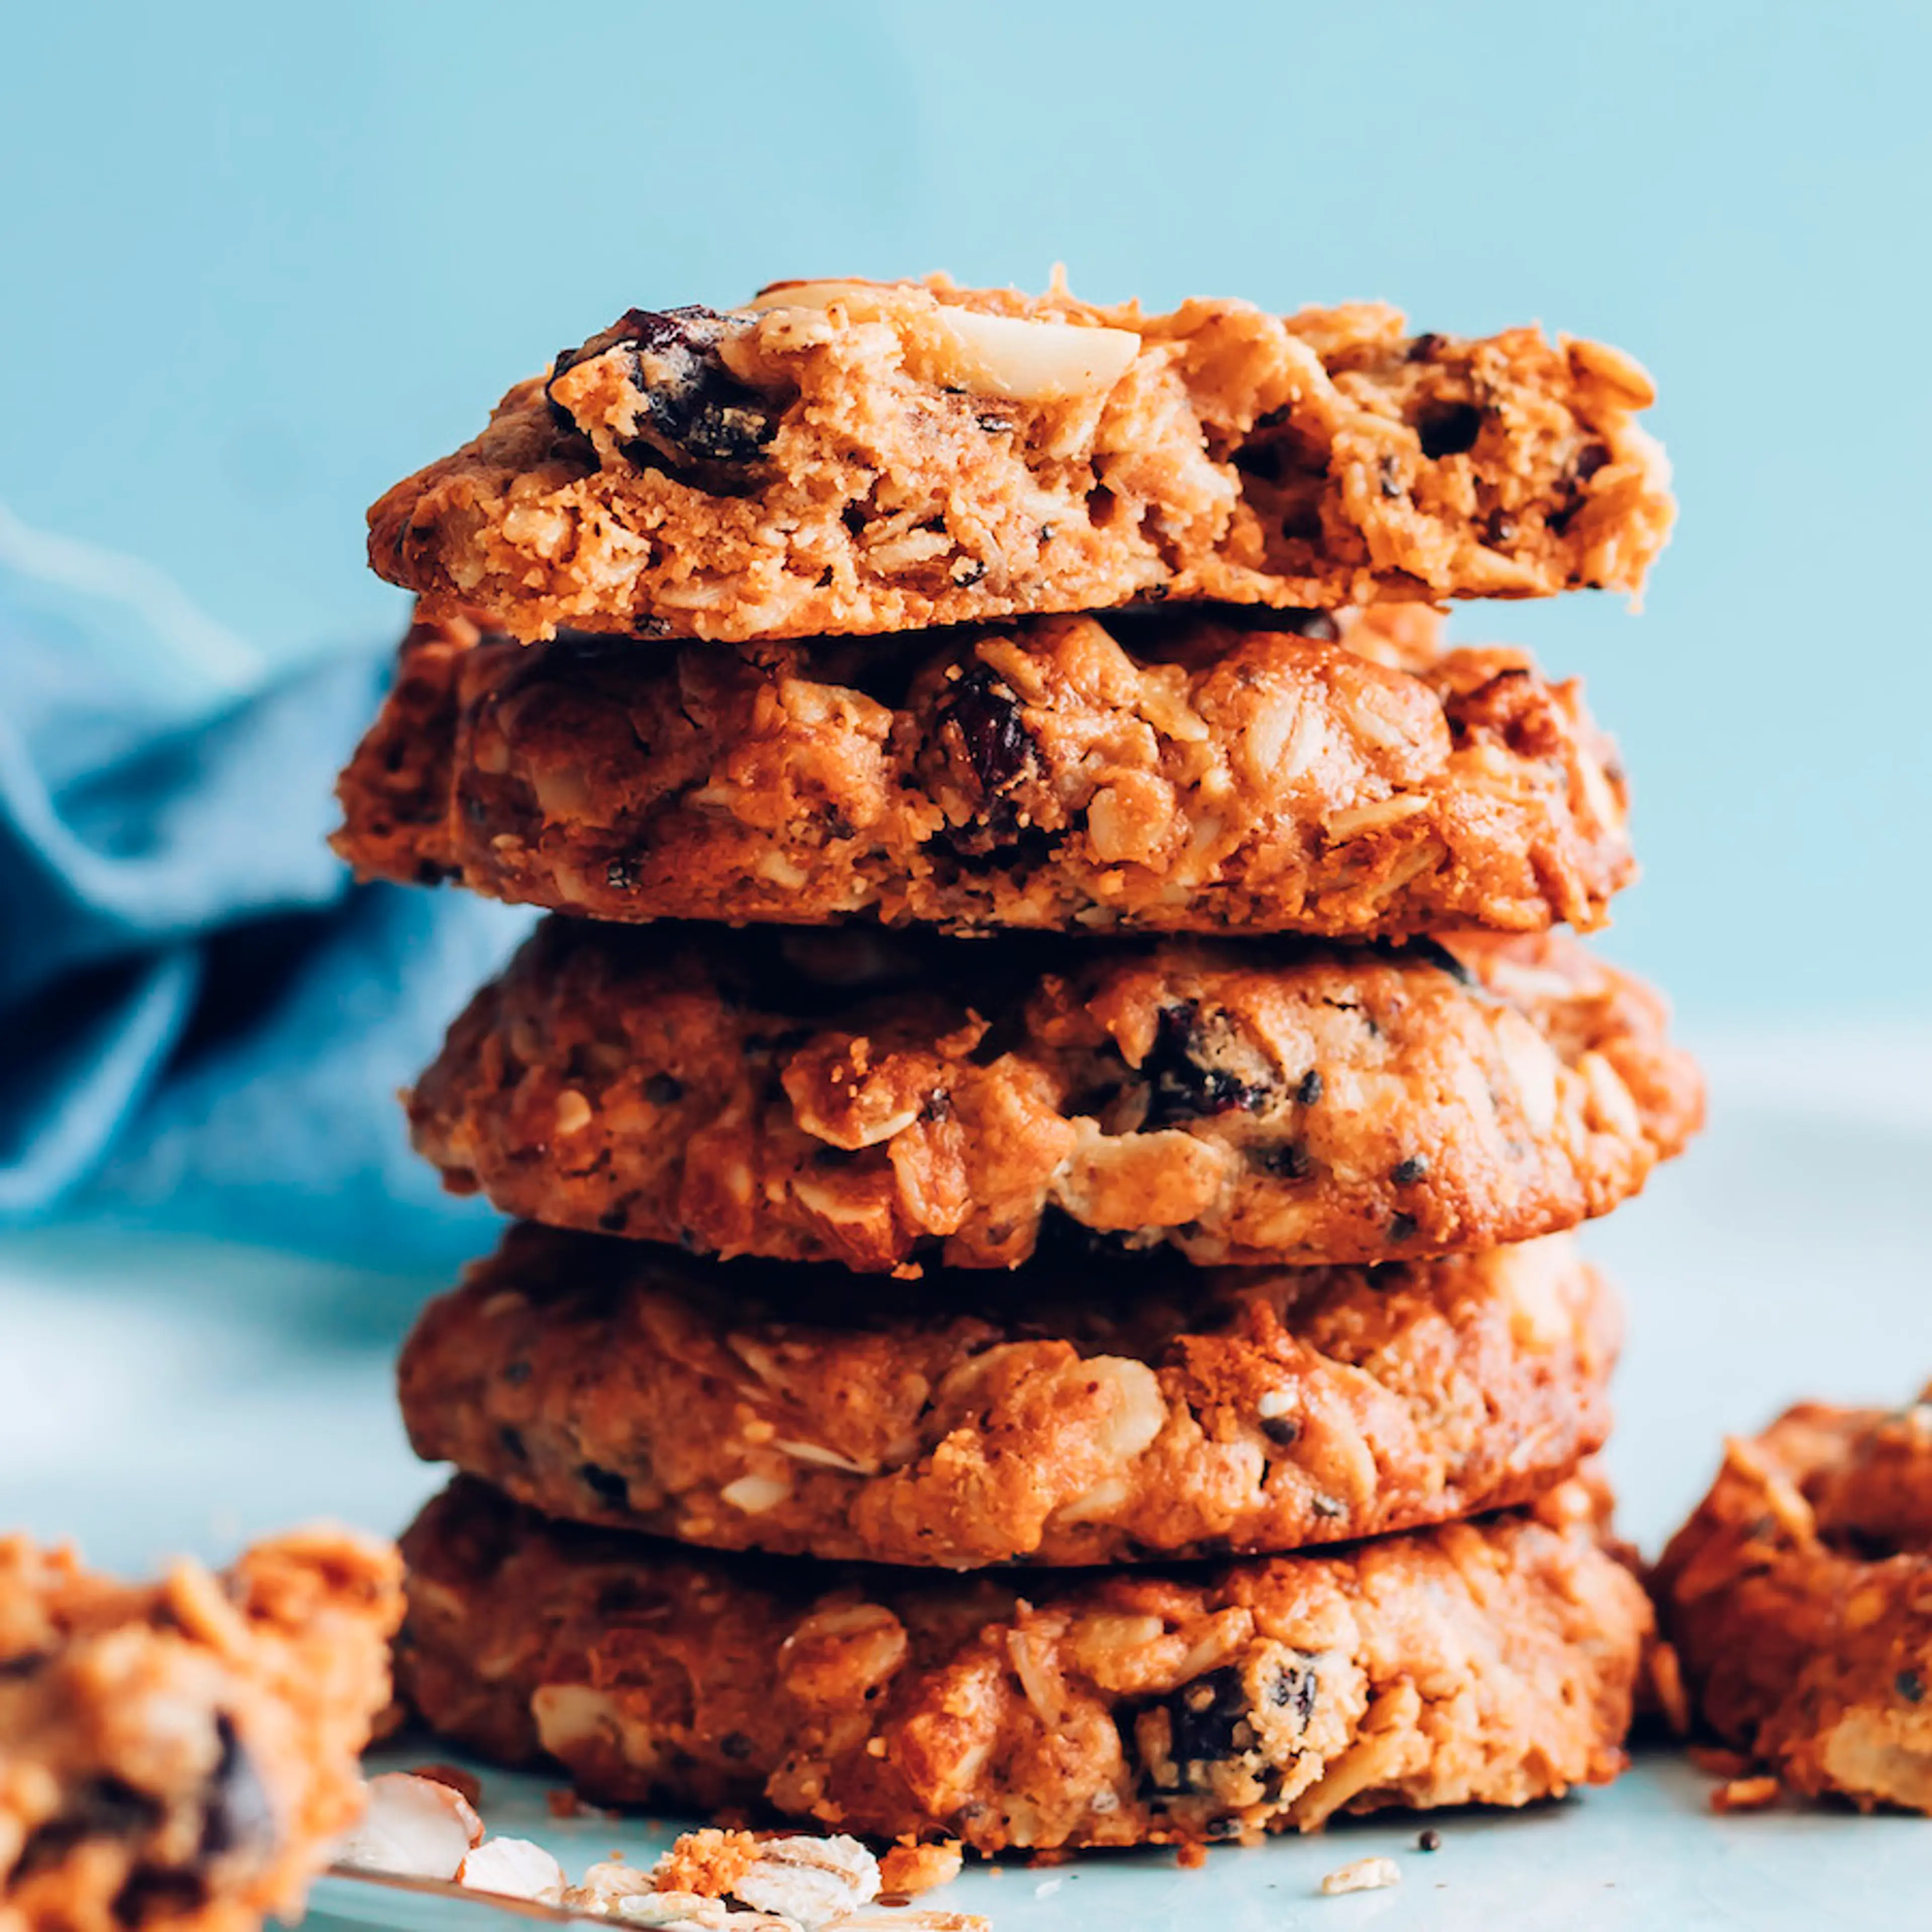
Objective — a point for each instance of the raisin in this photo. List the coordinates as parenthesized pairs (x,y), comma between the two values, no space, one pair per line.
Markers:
(1591,458)
(1179,1087)
(735,1745)
(1283,1430)
(982,710)
(606,1485)
(516,1373)
(619,876)
(1401,1227)
(1288,1161)
(153,1893)
(238,1814)
(1423,348)
(1448,429)
(1309,1091)
(664,1089)
(1910,1685)
(1407,1173)
(1388,477)
(1430,1840)
(691,409)
(511,1442)
(1210,1716)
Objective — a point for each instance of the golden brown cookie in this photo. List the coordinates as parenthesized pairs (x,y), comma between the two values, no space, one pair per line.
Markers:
(1799,1599)
(1488,1663)
(185,1754)
(1177,772)
(1090,1412)
(874,1098)
(873,456)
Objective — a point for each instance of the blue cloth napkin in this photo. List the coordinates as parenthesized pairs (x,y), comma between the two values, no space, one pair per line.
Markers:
(203,1023)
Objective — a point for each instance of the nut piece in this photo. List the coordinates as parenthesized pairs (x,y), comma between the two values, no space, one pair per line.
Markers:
(1023,362)
(1013,357)
(813,1881)
(513,1868)
(411,1828)
(1364,1875)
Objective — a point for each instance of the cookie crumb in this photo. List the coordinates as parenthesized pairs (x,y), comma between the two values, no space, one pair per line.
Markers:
(709,1863)
(562,1802)
(1191,1856)
(1364,1875)
(1716,1761)
(1747,1794)
(911,1868)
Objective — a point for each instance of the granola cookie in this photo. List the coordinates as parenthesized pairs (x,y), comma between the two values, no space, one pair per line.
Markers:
(1799,1599)
(1179,772)
(1477,1664)
(1089,1413)
(867,456)
(184,1753)
(876,1098)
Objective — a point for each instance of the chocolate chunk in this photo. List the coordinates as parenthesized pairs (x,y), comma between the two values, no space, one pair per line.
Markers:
(1181,1088)
(1910,1685)
(1401,1227)
(1284,1430)
(1309,1091)
(1448,429)
(735,1745)
(664,1089)
(1407,1173)
(619,876)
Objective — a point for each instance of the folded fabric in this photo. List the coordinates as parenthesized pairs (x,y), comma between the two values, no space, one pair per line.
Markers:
(203,1022)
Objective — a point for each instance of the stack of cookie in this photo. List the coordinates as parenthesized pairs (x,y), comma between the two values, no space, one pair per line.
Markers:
(1050,1050)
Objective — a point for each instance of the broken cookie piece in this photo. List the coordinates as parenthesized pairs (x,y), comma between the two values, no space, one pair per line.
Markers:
(183,1754)
(864,456)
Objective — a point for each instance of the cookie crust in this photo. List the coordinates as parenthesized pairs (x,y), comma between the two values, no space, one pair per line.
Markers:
(1799,1598)
(865,457)
(1107,1414)
(1478,1663)
(877,1099)
(185,1754)
(1180,772)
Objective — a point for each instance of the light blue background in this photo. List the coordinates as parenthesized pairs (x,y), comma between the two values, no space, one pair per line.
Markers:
(259,262)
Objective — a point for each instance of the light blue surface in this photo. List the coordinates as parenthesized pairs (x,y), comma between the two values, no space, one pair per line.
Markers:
(262,262)
(1646,1854)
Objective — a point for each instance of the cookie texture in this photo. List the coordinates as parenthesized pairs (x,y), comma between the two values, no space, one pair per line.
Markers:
(1799,1599)
(1176,771)
(875,1099)
(1478,1663)
(1102,1412)
(864,458)
(184,1753)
